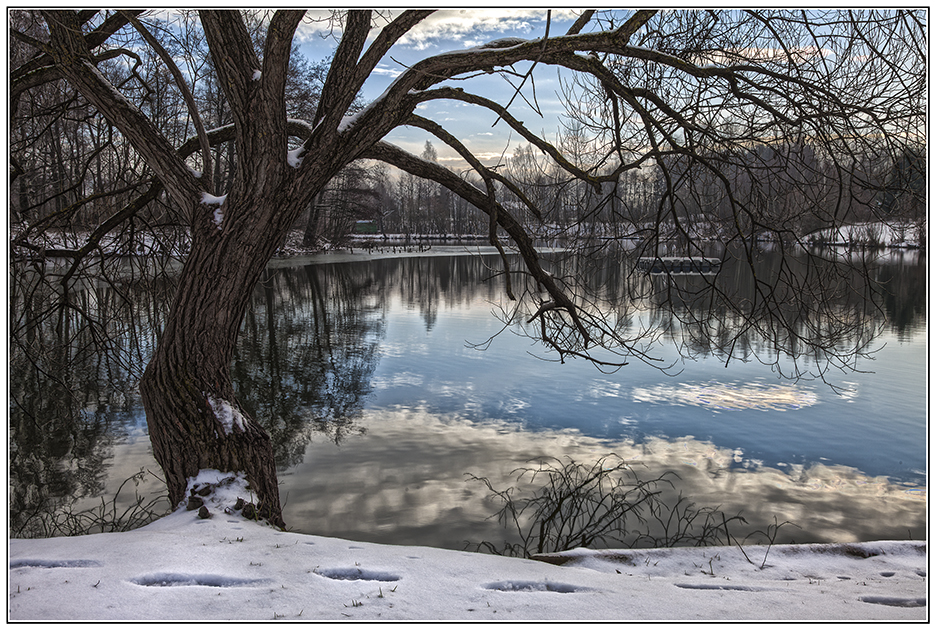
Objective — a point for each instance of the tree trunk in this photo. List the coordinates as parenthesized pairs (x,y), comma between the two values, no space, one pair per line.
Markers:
(194,419)
(312,229)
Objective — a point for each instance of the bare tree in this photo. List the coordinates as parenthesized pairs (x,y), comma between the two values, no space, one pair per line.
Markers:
(680,90)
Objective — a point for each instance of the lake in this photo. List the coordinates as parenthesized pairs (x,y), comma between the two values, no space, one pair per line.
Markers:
(386,380)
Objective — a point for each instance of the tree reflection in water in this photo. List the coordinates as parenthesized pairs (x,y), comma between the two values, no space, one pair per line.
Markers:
(311,343)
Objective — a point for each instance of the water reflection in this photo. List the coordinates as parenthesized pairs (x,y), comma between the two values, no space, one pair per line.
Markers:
(307,352)
(69,405)
(729,396)
(377,407)
(403,480)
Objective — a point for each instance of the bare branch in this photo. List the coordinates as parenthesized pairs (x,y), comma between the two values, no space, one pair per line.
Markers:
(545,147)
(74,59)
(116,219)
(186,96)
(439,131)
(410,163)
(580,22)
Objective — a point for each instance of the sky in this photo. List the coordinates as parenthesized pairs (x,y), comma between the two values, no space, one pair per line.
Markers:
(456,29)
(182,567)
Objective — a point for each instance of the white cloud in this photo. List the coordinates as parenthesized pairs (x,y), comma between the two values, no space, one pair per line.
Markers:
(469,26)
(491,155)
(477,26)
(384,70)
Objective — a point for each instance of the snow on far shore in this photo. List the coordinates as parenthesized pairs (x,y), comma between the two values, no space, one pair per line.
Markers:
(895,234)
(182,567)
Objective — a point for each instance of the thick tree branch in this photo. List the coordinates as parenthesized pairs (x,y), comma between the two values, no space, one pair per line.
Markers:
(387,37)
(29,41)
(634,24)
(41,69)
(580,22)
(234,59)
(92,40)
(340,88)
(276,50)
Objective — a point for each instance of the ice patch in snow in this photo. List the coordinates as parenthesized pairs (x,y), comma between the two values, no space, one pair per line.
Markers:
(357,573)
(533,585)
(54,564)
(227,415)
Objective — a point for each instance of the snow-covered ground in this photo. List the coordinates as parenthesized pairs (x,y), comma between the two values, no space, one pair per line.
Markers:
(225,567)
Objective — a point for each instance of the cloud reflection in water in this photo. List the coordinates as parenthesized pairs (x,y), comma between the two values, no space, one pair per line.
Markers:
(402,481)
(729,396)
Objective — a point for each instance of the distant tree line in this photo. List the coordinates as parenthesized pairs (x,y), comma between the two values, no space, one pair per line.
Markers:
(70,168)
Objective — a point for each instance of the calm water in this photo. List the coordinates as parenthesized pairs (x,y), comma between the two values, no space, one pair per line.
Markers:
(369,375)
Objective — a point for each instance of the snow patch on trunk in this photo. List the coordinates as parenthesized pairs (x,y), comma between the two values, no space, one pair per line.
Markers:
(294,157)
(227,415)
(212,200)
(347,121)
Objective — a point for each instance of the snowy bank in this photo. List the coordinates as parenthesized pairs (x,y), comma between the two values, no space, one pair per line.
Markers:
(896,234)
(182,567)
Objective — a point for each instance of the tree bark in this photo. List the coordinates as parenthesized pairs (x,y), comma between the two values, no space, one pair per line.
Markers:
(312,229)
(194,418)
